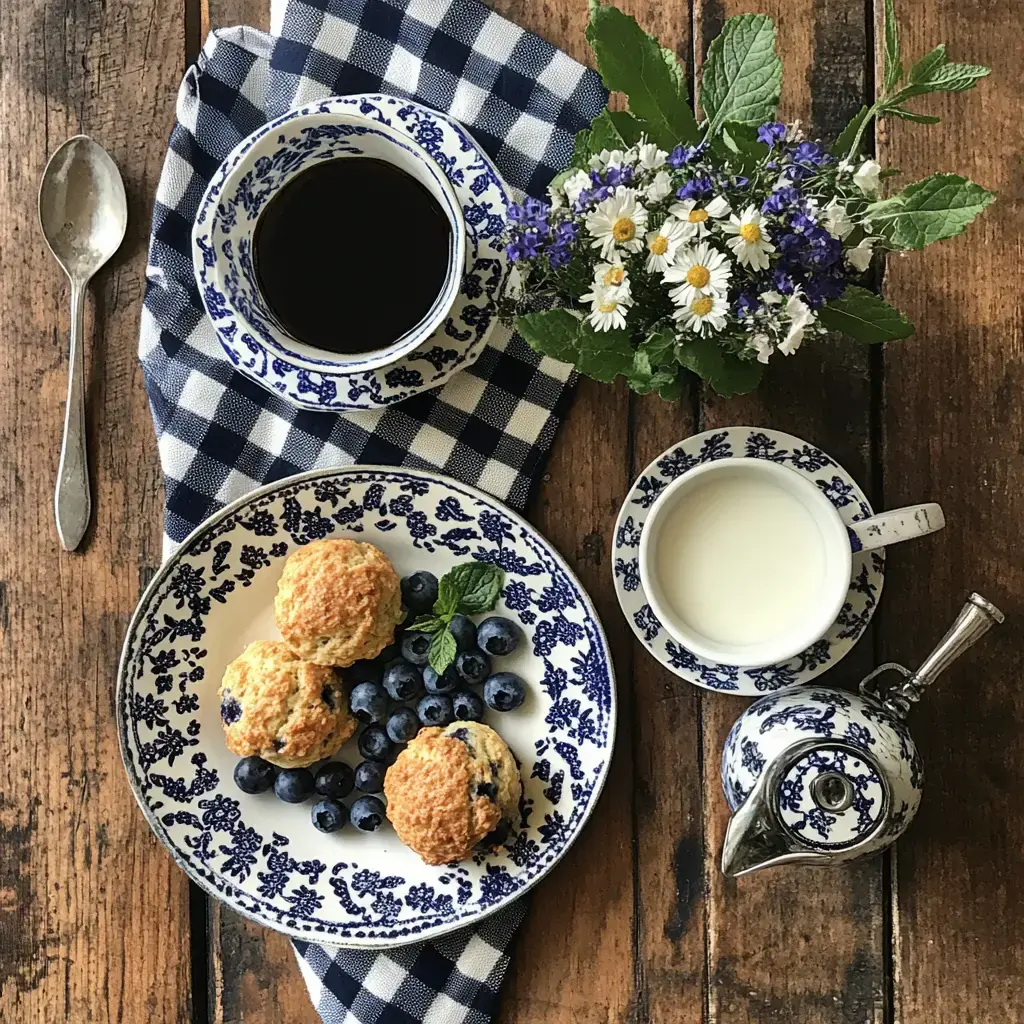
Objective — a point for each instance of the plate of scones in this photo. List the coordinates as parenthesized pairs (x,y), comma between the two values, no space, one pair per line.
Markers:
(366,706)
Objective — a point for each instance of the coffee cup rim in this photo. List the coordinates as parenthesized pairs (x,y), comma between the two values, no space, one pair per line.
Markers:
(840,558)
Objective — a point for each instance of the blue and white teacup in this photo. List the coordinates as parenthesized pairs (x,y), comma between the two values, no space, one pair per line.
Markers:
(265,164)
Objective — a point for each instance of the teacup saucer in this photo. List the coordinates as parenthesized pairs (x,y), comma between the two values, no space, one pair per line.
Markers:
(753,442)
(458,342)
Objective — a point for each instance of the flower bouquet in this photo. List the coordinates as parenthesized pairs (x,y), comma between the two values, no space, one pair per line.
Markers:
(674,244)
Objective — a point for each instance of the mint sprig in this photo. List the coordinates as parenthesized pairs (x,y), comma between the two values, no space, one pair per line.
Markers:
(468,589)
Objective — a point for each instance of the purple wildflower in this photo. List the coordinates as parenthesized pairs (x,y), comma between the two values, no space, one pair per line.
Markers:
(771,132)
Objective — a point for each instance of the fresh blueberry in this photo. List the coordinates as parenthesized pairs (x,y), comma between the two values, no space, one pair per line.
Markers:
(367,814)
(293,785)
(487,789)
(444,683)
(254,775)
(370,777)
(362,672)
(403,681)
(331,695)
(335,779)
(498,636)
(368,702)
(419,591)
(390,653)
(230,710)
(374,744)
(435,709)
(403,725)
(467,706)
(504,691)
(464,632)
(473,666)
(328,815)
(416,648)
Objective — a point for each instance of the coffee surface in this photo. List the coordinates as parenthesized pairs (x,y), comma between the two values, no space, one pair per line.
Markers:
(351,254)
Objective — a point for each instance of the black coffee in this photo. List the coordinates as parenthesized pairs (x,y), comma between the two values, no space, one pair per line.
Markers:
(351,254)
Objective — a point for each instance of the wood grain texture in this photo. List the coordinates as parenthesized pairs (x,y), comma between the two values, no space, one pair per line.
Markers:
(94,922)
(799,938)
(954,433)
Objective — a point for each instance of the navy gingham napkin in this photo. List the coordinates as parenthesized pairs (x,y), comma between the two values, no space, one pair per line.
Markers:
(221,435)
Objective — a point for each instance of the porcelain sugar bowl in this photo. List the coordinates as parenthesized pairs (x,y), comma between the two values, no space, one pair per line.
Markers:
(819,775)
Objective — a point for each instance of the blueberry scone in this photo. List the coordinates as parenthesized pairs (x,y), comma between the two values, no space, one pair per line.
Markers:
(281,708)
(453,789)
(338,602)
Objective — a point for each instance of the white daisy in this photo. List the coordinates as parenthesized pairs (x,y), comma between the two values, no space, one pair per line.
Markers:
(611,277)
(607,309)
(618,222)
(836,220)
(761,344)
(659,188)
(703,311)
(751,242)
(695,216)
(866,177)
(801,317)
(650,157)
(859,256)
(698,270)
(607,158)
(663,244)
(574,185)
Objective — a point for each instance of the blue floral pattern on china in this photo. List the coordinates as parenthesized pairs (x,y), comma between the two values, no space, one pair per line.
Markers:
(242,326)
(759,443)
(264,858)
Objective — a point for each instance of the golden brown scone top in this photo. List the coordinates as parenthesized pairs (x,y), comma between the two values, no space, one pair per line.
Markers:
(281,708)
(446,794)
(338,602)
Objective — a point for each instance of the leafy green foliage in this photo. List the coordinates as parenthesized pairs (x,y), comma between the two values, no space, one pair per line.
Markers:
(477,585)
(893,64)
(851,133)
(865,316)
(443,649)
(726,373)
(551,332)
(742,75)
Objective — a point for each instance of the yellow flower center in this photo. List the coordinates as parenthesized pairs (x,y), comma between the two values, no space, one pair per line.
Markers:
(623,230)
(702,306)
(613,276)
(660,245)
(698,276)
(750,233)
(608,306)
(698,216)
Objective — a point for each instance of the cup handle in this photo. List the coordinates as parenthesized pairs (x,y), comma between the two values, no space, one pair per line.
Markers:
(899,524)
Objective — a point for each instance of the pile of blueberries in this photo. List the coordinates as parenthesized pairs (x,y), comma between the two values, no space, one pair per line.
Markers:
(394,695)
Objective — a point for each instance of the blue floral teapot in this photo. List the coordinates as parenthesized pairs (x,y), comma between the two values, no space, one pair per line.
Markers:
(820,775)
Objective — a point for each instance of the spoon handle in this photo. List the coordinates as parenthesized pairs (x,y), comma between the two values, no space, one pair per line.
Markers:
(72,503)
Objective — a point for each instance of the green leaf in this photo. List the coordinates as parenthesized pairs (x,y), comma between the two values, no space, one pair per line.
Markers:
(603,355)
(742,74)
(842,146)
(927,211)
(614,129)
(552,332)
(632,62)
(447,602)
(893,63)
(726,373)
(477,584)
(442,651)
(660,346)
(427,624)
(909,115)
(928,63)
(944,78)
(742,145)
(629,128)
(865,316)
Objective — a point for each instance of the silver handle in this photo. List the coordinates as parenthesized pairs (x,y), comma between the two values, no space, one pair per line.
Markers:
(72,503)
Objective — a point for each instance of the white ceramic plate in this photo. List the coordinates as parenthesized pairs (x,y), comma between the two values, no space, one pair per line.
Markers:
(264,858)
(752,442)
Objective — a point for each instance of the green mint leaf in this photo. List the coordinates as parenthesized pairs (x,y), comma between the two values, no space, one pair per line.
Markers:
(865,316)
(478,585)
(909,115)
(660,346)
(945,78)
(741,145)
(603,355)
(927,211)
(629,128)
(842,146)
(552,332)
(427,624)
(607,131)
(447,602)
(727,374)
(929,63)
(442,651)
(632,62)
(655,367)
(893,63)
(742,75)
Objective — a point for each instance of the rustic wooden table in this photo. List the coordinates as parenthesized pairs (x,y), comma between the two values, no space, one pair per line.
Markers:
(96,923)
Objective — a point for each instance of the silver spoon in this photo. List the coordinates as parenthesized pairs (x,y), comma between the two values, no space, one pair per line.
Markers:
(83,213)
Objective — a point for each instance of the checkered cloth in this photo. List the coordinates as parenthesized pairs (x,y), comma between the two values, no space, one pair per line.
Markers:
(221,435)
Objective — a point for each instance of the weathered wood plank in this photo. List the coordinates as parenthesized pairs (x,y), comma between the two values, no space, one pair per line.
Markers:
(953,431)
(793,940)
(93,913)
